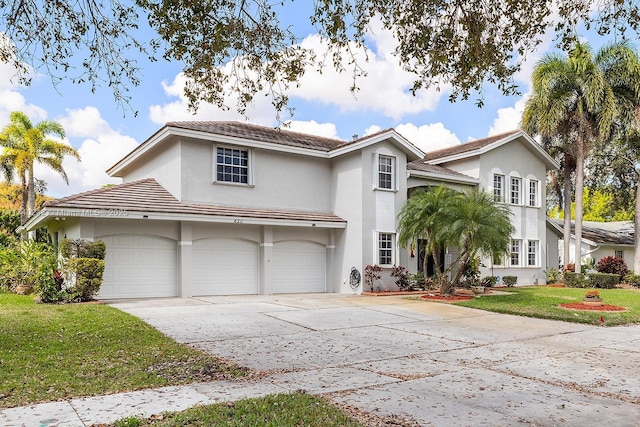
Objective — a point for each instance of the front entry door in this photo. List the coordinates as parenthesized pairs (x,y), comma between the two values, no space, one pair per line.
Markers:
(430,262)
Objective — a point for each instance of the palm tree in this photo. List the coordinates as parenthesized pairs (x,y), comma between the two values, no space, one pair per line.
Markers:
(24,145)
(574,99)
(481,226)
(425,216)
(473,221)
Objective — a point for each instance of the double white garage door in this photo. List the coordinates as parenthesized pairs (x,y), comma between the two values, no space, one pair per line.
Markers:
(146,266)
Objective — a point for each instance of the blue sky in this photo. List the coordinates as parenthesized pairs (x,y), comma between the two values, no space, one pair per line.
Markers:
(103,133)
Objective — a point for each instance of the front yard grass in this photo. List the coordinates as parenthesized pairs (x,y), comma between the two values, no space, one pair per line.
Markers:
(53,352)
(295,409)
(543,301)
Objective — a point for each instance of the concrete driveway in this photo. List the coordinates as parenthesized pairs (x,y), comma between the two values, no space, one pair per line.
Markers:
(438,364)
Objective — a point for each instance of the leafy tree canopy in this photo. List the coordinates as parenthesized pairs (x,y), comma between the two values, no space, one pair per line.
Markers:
(457,44)
(599,206)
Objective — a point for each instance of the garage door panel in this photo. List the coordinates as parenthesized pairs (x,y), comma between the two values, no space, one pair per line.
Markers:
(225,267)
(299,267)
(139,266)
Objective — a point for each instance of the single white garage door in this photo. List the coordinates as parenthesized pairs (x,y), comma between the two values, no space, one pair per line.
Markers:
(225,267)
(298,267)
(139,267)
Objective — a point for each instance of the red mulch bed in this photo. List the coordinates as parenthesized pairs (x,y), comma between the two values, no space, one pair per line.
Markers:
(389,293)
(450,298)
(603,307)
(557,285)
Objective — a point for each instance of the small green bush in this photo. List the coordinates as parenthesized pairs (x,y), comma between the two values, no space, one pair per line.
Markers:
(575,280)
(81,248)
(88,277)
(489,281)
(603,280)
(510,281)
(417,280)
(633,279)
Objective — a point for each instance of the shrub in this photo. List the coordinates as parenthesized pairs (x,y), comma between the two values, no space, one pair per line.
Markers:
(402,277)
(29,263)
(633,279)
(570,267)
(88,277)
(81,248)
(603,280)
(510,281)
(418,280)
(371,275)
(489,281)
(575,280)
(613,265)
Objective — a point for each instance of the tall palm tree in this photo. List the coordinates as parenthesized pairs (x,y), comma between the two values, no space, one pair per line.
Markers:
(24,146)
(573,98)
(425,216)
(481,226)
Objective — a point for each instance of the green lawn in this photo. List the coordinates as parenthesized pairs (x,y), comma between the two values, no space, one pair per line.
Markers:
(543,301)
(52,352)
(296,409)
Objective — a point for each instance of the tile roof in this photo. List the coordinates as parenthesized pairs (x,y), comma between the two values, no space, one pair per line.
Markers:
(421,165)
(468,146)
(147,195)
(262,133)
(605,233)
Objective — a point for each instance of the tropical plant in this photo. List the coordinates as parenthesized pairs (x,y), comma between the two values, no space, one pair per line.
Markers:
(24,146)
(425,216)
(372,273)
(576,99)
(480,226)
(401,275)
(613,265)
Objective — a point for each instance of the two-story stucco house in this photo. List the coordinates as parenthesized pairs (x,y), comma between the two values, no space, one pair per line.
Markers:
(219,208)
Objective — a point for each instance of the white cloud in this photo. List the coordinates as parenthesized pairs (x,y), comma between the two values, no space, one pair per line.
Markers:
(101,148)
(371,130)
(312,127)
(508,118)
(384,90)
(429,137)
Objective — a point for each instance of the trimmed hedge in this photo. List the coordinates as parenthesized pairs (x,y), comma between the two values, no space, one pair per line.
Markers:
(603,280)
(575,280)
(633,279)
(489,281)
(510,281)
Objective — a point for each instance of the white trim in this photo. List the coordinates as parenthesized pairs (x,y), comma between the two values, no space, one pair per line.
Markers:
(169,131)
(185,243)
(214,165)
(266,245)
(444,178)
(376,248)
(549,161)
(41,217)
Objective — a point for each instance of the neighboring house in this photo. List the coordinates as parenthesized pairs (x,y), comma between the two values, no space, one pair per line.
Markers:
(218,208)
(602,239)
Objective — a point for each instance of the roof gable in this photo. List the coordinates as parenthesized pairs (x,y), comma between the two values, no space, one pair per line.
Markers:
(481,146)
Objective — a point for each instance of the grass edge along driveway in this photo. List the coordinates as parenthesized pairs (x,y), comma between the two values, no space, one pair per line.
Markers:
(543,302)
(54,352)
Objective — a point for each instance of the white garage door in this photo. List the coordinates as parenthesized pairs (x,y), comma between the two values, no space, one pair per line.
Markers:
(225,267)
(298,267)
(139,267)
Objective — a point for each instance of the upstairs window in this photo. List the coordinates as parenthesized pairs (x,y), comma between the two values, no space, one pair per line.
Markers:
(498,187)
(533,193)
(516,190)
(232,165)
(386,166)
(619,254)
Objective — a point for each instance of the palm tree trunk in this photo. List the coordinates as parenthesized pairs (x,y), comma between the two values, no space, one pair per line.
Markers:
(23,206)
(31,199)
(567,216)
(579,190)
(636,256)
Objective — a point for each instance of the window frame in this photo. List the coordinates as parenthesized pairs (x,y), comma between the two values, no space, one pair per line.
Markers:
(533,198)
(248,167)
(386,245)
(498,190)
(390,174)
(516,250)
(512,180)
(535,253)
(616,252)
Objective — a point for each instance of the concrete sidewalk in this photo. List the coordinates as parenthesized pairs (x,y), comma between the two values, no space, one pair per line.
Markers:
(439,364)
